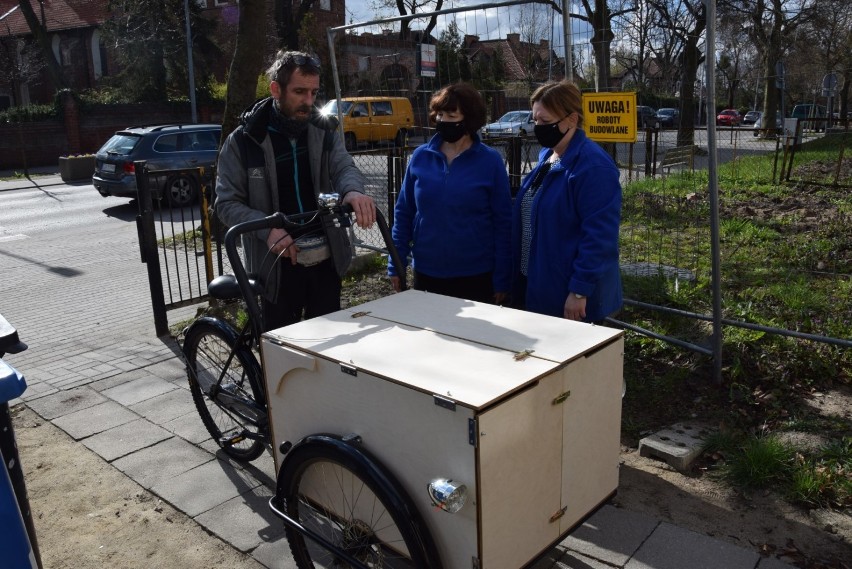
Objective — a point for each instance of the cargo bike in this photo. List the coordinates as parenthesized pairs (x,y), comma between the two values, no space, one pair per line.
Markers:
(424,431)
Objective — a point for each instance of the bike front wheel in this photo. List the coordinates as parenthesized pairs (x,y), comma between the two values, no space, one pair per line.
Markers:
(232,409)
(353,507)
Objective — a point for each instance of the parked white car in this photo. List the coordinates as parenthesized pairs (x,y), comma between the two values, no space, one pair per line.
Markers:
(513,123)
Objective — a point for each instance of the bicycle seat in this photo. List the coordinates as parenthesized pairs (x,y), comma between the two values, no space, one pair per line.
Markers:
(226,287)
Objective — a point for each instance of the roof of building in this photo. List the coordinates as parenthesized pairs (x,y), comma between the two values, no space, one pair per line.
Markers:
(517,55)
(57,15)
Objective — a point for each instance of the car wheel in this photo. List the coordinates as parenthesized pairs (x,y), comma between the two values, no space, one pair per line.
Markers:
(522,133)
(658,125)
(401,137)
(181,190)
(349,140)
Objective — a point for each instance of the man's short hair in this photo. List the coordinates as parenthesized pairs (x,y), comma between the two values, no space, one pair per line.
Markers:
(288,61)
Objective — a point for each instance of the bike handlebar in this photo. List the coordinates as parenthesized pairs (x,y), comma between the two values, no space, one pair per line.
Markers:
(295,226)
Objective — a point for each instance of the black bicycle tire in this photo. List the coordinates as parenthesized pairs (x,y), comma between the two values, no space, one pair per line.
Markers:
(412,528)
(205,328)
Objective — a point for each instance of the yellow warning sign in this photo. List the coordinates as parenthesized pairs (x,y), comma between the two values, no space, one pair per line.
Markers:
(610,117)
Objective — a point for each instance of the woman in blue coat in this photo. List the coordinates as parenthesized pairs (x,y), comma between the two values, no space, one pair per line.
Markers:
(566,216)
(454,211)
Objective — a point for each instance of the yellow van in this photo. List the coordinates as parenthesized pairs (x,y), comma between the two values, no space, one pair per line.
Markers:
(373,119)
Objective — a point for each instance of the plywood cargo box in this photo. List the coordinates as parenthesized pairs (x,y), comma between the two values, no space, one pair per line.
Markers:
(523,409)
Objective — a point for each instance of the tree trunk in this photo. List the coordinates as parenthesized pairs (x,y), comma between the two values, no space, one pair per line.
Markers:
(691,58)
(54,71)
(246,64)
(601,41)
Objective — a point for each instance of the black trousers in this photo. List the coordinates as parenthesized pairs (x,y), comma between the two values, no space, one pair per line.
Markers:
(305,292)
(475,287)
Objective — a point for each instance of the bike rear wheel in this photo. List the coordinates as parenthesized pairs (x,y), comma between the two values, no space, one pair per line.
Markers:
(207,347)
(350,505)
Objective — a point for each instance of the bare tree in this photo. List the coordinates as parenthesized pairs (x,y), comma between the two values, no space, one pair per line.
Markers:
(39,30)
(246,64)
(830,38)
(289,17)
(531,23)
(731,65)
(687,20)
(771,25)
(636,29)
(601,17)
(406,7)
(20,63)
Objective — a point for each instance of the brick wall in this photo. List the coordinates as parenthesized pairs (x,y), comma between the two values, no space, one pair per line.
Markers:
(83,131)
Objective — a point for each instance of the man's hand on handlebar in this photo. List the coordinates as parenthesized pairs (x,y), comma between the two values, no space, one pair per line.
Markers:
(363,207)
(281,244)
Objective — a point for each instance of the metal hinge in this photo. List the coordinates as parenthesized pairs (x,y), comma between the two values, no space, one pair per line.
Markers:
(471,431)
(558,514)
(360,314)
(475,563)
(523,354)
(349,370)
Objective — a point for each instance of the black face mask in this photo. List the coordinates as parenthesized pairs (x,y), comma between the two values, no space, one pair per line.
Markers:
(549,135)
(451,131)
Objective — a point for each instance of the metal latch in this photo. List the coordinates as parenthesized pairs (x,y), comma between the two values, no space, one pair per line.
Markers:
(444,402)
(561,397)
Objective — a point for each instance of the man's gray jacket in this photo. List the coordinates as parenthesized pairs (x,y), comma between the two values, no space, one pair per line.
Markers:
(245,192)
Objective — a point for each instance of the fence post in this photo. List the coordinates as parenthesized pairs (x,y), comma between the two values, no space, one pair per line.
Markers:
(513,157)
(649,135)
(148,247)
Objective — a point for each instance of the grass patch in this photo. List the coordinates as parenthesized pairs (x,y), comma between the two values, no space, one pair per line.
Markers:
(786,262)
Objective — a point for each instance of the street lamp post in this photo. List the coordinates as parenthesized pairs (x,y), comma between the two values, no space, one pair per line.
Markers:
(190,69)
(566,29)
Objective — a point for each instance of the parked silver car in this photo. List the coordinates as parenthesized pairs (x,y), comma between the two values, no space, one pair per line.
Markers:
(513,123)
(164,147)
(779,127)
(752,117)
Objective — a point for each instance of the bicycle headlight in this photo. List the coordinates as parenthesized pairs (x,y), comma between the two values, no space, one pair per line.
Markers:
(447,494)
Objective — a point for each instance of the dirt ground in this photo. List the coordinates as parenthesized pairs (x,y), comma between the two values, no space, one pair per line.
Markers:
(88,515)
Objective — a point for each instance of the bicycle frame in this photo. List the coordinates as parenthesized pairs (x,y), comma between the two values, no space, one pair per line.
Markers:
(328,206)
(255,412)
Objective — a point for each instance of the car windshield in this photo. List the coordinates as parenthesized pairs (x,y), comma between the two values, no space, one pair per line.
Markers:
(122,144)
(330,107)
(727,112)
(666,112)
(514,116)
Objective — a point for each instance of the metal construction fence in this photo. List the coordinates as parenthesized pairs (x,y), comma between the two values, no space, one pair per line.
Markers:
(786,210)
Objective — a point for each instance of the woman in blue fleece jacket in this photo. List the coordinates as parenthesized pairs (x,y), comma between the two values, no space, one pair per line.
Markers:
(453,213)
(566,216)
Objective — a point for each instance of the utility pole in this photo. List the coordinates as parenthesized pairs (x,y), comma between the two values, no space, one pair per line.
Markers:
(566,29)
(190,69)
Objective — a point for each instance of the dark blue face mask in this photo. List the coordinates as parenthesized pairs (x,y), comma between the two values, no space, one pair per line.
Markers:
(451,131)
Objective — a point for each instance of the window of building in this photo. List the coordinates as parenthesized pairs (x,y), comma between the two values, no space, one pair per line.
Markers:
(325,5)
